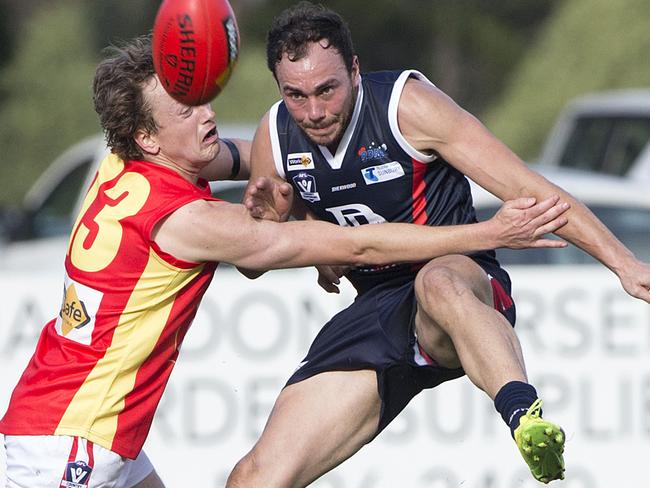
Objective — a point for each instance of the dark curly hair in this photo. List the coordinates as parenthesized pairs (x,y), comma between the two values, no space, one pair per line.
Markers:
(118,97)
(296,27)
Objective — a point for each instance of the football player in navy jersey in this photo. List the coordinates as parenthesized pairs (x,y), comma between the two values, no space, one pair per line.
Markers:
(357,149)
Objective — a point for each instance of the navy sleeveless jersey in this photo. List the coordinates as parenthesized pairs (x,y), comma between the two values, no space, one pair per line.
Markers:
(376,175)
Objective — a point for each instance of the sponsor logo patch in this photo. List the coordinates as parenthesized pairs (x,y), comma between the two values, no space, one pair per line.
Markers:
(306,185)
(76,318)
(73,311)
(373,152)
(300,161)
(355,214)
(349,186)
(383,172)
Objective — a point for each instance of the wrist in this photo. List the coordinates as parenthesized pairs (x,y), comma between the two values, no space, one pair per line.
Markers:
(621,262)
(487,235)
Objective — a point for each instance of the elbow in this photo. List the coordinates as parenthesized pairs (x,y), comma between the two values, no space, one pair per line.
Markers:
(365,256)
(251,274)
(363,249)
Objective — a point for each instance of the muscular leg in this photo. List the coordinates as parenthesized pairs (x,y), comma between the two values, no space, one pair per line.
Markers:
(315,425)
(457,324)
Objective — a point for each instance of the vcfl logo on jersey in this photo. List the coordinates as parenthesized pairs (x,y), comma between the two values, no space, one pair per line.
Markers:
(307,187)
(299,161)
(355,214)
(77,475)
(383,172)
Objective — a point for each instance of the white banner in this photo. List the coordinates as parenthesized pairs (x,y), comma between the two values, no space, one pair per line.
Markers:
(586,343)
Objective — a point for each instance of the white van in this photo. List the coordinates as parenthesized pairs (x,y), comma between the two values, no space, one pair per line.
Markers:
(606,132)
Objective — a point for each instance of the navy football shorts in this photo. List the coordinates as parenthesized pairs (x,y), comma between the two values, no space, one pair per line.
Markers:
(377,331)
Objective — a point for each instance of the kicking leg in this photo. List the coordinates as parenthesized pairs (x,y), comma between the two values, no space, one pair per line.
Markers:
(315,425)
(457,325)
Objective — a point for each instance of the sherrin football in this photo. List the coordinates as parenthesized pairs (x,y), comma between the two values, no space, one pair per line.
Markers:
(195,48)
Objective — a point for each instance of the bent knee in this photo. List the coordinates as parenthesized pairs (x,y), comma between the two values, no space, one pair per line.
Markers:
(445,285)
(440,284)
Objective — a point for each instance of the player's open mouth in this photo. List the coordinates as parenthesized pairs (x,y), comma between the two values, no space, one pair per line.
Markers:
(211,136)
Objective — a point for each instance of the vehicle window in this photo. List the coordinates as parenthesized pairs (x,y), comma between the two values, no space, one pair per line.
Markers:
(53,217)
(630,225)
(606,144)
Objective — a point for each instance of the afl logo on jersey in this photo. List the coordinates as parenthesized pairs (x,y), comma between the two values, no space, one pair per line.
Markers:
(306,185)
(300,161)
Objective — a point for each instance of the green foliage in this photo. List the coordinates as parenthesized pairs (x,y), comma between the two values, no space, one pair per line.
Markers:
(114,21)
(589,45)
(6,40)
(50,106)
(464,46)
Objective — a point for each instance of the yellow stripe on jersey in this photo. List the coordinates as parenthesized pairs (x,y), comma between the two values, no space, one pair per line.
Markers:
(94,410)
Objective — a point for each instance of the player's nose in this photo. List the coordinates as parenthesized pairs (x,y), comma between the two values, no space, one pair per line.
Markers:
(315,110)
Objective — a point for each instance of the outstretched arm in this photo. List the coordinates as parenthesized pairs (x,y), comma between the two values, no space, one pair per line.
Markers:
(218,231)
(466,144)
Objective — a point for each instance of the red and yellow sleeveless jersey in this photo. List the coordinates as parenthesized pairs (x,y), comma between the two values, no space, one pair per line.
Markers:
(101,366)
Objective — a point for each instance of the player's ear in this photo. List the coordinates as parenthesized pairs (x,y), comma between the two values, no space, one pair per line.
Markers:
(355,71)
(146,141)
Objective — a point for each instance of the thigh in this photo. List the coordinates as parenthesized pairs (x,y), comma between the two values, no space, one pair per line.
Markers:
(449,290)
(72,462)
(315,425)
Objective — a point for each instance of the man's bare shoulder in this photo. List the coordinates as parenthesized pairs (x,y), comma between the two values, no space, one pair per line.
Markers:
(425,114)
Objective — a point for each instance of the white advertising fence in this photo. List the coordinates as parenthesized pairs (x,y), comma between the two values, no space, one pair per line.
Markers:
(586,343)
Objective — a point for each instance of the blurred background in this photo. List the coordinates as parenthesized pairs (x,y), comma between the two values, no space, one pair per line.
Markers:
(513,63)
